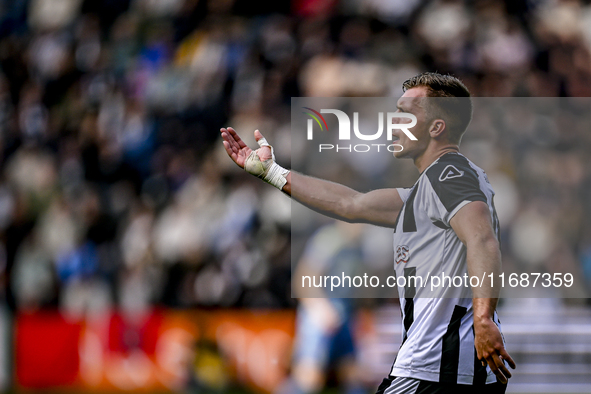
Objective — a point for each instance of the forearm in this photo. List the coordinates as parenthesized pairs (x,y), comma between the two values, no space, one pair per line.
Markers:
(484,259)
(329,198)
(473,226)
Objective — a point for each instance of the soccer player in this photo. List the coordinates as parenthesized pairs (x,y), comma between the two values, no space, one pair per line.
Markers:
(446,222)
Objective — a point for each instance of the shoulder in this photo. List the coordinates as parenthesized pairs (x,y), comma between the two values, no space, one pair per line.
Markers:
(451,166)
(454,179)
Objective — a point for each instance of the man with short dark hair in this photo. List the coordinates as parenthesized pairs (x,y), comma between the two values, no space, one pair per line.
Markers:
(446,222)
(456,108)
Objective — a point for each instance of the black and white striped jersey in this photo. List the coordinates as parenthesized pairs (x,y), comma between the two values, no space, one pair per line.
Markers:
(438,335)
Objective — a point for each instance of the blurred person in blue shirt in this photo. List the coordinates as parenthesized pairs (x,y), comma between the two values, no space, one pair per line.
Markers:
(324,328)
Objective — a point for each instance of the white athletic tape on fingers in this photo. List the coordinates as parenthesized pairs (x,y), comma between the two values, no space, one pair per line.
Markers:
(263,142)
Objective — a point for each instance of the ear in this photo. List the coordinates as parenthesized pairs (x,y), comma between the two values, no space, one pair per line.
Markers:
(437,128)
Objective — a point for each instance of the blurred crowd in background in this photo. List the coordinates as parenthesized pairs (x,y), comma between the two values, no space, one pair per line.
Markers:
(114,186)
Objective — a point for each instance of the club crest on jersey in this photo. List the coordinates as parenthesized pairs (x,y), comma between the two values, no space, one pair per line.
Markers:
(402,254)
(450,172)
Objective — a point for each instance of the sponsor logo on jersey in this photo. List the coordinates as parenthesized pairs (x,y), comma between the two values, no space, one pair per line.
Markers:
(450,172)
(402,254)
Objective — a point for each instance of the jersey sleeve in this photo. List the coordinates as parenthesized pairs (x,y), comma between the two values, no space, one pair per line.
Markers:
(404,192)
(454,185)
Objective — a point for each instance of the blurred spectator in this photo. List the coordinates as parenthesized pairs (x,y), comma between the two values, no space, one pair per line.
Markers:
(324,334)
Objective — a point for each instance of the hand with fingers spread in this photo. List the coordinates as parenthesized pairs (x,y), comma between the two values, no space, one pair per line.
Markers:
(491,350)
(260,163)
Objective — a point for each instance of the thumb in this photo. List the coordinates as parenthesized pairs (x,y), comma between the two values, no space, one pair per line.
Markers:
(262,141)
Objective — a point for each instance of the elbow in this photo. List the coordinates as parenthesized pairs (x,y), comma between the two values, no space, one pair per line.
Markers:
(492,246)
(483,241)
(347,210)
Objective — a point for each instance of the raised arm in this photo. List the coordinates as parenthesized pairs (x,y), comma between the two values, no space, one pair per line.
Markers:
(379,207)
(473,225)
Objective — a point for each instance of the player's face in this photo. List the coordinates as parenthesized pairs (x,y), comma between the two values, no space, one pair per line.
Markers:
(413,101)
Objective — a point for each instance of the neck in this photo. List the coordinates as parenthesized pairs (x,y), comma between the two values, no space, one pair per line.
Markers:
(433,153)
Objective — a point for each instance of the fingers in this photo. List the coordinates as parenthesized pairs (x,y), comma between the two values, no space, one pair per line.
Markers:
(234,141)
(229,142)
(228,148)
(494,367)
(238,150)
(235,147)
(230,135)
(233,136)
(258,135)
(490,350)
(498,367)
(507,358)
(262,141)
(502,367)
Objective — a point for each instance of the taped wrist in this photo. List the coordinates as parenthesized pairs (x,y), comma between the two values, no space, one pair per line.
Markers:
(267,170)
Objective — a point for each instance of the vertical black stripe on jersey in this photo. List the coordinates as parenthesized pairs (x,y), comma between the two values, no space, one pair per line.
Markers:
(397,219)
(409,225)
(409,303)
(453,191)
(408,213)
(450,349)
(479,369)
(409,307)
(410,290)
